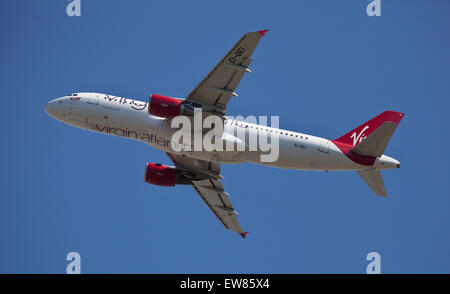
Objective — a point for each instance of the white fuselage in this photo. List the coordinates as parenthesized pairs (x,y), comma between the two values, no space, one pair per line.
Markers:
(130,119)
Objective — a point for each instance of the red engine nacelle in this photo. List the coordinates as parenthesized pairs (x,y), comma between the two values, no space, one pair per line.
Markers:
(163,106)
(162,175)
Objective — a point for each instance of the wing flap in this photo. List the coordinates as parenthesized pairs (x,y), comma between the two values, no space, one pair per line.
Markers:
(218,203)
(205,179)
(218,86)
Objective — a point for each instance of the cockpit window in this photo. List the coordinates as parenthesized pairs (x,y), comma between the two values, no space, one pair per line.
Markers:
(75,97)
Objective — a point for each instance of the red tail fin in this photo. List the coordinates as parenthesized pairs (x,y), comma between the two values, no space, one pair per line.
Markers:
(357,135)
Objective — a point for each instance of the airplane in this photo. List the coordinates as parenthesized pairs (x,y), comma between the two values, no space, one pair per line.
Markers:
(359,150)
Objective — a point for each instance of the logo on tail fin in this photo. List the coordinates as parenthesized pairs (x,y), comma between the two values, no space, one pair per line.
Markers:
(360,137)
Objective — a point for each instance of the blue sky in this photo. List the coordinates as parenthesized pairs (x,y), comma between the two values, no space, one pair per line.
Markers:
(325,67)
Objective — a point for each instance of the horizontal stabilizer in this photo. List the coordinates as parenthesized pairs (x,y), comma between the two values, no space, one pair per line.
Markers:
(374,180)
(375,144)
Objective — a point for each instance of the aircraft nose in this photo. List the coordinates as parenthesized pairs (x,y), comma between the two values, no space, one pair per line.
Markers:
(53,108)
(50,108)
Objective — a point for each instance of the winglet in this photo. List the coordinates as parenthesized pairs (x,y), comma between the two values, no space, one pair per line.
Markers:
(263,32)
(244,234)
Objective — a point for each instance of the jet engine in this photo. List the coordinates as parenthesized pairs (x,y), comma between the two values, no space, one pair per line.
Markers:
(163,106)
(162,175)
(169,107)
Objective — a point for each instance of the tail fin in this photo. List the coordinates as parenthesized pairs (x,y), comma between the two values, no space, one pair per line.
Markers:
(370,139)
(357,135)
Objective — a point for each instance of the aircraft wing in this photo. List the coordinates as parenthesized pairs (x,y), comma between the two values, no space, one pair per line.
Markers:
(216,89)
(205,179)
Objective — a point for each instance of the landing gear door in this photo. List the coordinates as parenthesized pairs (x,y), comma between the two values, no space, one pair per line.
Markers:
(92,100)
(324,146)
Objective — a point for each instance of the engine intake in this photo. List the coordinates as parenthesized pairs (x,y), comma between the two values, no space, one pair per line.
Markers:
(162,175)
(163,106)
(169,107)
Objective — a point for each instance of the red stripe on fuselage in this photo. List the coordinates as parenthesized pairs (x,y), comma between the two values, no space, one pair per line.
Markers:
(359,159)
